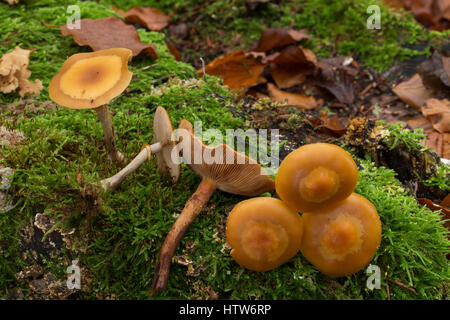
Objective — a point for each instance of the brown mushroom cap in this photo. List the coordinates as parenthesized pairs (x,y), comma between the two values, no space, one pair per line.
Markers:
(163,133)
(89,80)
(264,233)
(342,238)
(316,175)
(237,174)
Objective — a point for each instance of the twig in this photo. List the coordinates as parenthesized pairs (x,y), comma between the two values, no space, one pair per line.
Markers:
(370,86)
(402,285)
(388,291)
(203,68)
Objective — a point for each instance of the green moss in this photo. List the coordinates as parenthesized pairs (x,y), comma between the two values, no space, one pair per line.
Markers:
(441,179)
(398,135)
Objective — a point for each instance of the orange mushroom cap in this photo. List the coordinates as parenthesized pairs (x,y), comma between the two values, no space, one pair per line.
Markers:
(264,233)
(315,175)
(89,80)
(341,239)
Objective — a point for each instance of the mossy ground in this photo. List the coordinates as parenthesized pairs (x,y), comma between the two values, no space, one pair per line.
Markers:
(121,233)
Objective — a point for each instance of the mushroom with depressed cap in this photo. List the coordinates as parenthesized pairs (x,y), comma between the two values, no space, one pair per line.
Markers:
(236,174)
(316,175)
(90,81)
(264,233)
(163,146)
(342,238)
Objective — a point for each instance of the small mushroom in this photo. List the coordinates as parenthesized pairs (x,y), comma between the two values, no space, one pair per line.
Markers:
(163,146)
(91,80)
(342,238)
(264,233)
(236,174)
(315,175)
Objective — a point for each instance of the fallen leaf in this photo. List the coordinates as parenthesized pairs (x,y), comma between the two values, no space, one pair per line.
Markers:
(150,18)
(328,125)
(14,73)
(434,75)
(173,50)
(290,66)
(301,101)
(438,113)
(332,75)
(238,69)
(420,123)
(413,92)
(279,37)
(439,142)
(434,14)
(106,33)
(435,207)
(446,201)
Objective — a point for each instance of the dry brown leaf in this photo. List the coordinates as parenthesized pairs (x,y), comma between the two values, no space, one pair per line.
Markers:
(150,18)
(420,123)
(337,78)
(413,92)
(434,75)
(238,69)
(435,207)
(439,142)
(328,125)
(279,37)
(173,50)
(446,201)
(106,33)
(438,112)
(290,66)
(14,73)
(432,13)
(301,101)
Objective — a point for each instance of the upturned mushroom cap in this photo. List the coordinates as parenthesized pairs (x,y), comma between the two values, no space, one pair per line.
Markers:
(163,133)
(316,175)
(235,173)
(264,233)
(89,80)
(341,239)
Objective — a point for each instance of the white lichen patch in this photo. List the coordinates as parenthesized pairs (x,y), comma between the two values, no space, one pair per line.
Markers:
(6,175)
(10,138)
(177,82)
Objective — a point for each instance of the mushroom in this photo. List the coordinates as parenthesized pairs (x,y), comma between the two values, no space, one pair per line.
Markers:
(163,146)
(264,233)
(342,238)
(316,175)
(91,80)
(237,174)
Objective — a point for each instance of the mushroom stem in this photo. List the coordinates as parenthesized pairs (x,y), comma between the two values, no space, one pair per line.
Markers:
(111,183)
(108,131)
(191,210)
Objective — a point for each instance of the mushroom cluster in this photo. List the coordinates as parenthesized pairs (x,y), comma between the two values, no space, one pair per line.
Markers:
(239,175)
(339,231)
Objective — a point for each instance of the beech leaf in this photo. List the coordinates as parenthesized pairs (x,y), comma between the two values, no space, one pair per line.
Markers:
(301,101)
(150,18)
(238,69)
(279,37)
(107,33)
